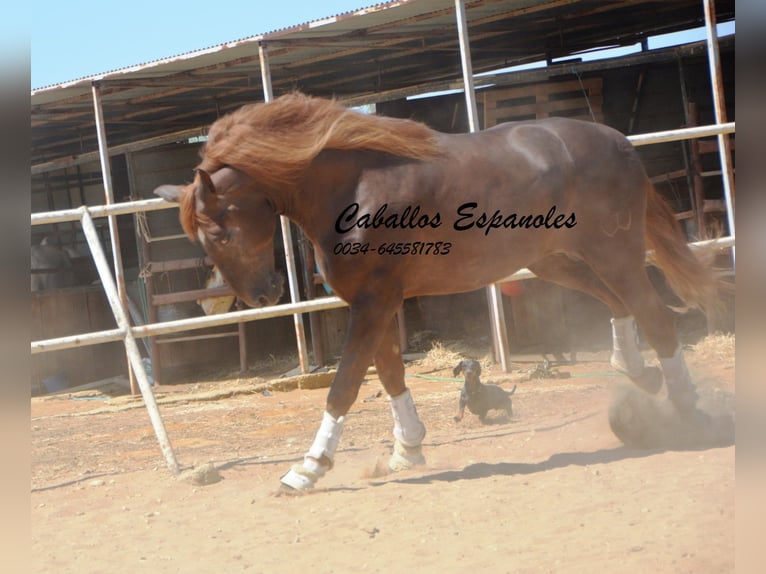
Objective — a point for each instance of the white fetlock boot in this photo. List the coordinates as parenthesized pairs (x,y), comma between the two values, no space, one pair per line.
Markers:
(409,432)
(305,475)
(681,389)
(627,357)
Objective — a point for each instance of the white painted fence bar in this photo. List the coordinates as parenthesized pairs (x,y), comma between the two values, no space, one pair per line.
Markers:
(131,349)
(122,208)
(681,134)
(82,340)
(178,325)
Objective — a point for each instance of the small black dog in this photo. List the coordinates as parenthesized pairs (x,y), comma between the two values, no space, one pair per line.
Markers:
(478,397)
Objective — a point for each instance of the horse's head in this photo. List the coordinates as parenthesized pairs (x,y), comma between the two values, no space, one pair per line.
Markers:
(235,224)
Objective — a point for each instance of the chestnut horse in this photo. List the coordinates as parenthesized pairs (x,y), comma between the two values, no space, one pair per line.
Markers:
(395,209)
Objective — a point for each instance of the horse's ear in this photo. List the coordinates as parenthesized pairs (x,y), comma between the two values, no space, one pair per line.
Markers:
(171,193)
(204,192)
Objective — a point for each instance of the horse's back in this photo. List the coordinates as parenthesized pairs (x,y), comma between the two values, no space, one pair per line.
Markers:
(581,138)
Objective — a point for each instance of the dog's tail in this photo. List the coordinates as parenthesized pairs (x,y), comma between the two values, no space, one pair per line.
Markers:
(513,390)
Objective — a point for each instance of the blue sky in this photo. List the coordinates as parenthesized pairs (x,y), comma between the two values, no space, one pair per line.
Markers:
(75,38)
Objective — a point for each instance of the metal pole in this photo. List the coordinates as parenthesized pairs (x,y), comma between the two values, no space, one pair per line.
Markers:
(165,327)
(287,236)
(106,174)
(263,55)
(681,134)
(465,61)
(716,81)
(496,313)
(131,349)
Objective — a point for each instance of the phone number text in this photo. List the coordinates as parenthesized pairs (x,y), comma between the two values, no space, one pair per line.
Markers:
(409,248)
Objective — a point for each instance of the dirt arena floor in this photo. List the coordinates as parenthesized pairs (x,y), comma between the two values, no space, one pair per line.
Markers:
(549,490)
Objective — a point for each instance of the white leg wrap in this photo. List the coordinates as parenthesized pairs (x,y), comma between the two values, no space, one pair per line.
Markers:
(674,368)
(409,430)
(681,389)
(327,438)
(305,475)
(626,355)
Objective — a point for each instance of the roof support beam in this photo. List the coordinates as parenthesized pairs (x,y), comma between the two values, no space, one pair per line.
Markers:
(724,148)
(114,235)
(496,313)
(287,234)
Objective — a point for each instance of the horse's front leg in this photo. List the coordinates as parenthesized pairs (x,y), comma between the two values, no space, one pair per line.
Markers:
(366,329)
(409,430)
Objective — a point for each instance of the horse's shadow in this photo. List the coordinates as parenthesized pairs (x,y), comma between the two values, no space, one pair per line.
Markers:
(556,461)
(559,460)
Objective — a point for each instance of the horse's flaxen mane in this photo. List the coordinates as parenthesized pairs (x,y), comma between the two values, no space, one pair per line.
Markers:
(275,142)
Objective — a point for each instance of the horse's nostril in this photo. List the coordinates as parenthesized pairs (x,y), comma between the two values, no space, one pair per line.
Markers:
(263,301)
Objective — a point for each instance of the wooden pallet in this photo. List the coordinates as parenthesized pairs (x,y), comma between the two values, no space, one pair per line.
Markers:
(534,101)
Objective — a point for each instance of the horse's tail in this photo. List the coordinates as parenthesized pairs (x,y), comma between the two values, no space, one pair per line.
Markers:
(691,278)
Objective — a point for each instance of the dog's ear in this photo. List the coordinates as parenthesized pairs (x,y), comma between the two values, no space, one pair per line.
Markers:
(457,370)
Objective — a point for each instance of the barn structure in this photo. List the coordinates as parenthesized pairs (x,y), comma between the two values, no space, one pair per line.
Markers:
(457,65)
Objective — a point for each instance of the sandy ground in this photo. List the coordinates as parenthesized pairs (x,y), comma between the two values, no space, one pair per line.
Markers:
(550,490)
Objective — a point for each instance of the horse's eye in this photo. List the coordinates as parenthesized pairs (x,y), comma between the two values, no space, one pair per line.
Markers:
(225,238)
(219,235)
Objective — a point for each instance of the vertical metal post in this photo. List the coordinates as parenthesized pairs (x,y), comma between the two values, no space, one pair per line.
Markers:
(287,236)
(263,55)
(494,297)
(106,174)
(467,65)
(724,150)
(131,349)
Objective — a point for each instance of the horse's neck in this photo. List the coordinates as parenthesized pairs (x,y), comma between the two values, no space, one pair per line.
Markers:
(327,186)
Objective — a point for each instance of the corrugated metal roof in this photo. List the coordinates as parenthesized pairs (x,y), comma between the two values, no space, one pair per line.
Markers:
(369,53)
(341,17)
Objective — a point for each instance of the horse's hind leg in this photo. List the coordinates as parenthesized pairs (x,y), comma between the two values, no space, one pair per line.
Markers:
(409,430)
(626,354)
(625,275)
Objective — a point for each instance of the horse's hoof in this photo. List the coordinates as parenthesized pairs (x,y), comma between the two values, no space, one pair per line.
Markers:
(632,418)
(405,457)
(643,421)
(285,490)
(650,380)
(299,479)
(684,399)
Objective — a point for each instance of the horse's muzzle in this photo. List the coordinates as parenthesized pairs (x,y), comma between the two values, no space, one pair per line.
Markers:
(267,294)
